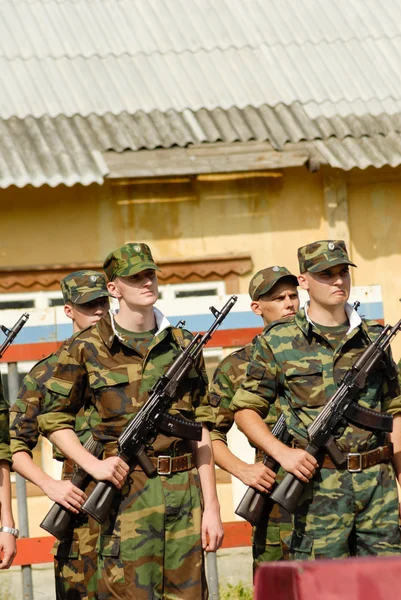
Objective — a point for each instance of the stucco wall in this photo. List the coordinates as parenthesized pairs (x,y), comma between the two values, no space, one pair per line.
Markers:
(267,217)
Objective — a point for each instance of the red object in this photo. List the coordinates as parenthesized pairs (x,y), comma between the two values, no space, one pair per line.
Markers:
(34,551)
(371,578)
(237,534)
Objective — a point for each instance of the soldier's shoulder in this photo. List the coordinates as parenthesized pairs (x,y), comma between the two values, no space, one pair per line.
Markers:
(373,326)
(236,357)
(281,325)
(43,363)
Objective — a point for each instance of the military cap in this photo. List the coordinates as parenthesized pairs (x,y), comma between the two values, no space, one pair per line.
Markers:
(84,286)
(322,255)
(129,260)
(263,281)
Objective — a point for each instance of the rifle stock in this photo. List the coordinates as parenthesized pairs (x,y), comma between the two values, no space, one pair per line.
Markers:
(256,505)
(59,520)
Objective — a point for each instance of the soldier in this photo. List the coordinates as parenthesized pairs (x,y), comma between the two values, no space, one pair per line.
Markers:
(151,544)
(8,533)
(300,360)
(274,295)
(86,301)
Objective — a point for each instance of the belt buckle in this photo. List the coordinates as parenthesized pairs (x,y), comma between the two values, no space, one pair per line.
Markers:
(352,455)
(170,463)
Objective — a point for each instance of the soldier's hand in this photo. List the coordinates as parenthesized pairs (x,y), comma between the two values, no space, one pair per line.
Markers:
(212,529)
(298,462)
(64,493)
(8,549)
(112,469)
(257,476)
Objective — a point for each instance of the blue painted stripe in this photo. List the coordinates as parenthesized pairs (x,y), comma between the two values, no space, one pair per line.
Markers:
(236,320)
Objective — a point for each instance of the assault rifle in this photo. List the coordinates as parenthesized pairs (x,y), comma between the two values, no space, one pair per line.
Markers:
(12,333)
(321,432)
(59,520)
(256,505)
(144,427)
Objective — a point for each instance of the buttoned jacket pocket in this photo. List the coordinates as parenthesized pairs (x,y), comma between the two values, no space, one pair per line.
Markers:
(111,393)
(305,383)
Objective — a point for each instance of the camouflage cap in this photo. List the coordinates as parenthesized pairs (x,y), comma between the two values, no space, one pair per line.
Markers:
(322,255)
(264,280)
(84,286)
(129,260)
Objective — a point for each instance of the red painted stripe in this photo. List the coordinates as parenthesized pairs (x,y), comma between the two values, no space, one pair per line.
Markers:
(226,338)
(20,352)
(34,551)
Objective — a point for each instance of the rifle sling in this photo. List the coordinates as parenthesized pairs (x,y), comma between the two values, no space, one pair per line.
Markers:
(369,419)
(178,427)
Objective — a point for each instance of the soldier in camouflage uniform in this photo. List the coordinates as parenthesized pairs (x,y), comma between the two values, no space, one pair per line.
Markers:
(86,301)
(274,295)
(8,533)
(150,546)
(300,361)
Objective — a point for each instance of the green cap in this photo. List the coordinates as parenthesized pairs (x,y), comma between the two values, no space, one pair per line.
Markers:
(84,286)
(129,260)
(263,281)
(322,255)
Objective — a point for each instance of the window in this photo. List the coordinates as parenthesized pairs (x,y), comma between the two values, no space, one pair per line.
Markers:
(27,300)
(191,290)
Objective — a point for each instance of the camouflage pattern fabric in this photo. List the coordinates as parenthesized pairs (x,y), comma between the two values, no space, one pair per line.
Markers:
(150,514)
(129,260)
(75,560)
(322,255)
(5,453)
(263,281)
(270,539)
(293,364)
(84,286)
(342,514)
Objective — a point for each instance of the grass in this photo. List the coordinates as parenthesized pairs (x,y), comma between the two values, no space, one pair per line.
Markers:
(236,592)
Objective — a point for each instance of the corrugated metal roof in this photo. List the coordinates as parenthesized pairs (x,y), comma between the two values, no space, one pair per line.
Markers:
(355,73)
(83,57)
(80,77)
(59,28)
(69,150)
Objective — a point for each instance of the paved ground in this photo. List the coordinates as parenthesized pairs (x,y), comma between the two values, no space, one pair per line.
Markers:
(233,565)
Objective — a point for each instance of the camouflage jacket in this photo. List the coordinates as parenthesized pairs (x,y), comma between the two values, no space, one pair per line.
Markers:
(227,378)
(291,362)
(5,453)
(32,401)
(98,368)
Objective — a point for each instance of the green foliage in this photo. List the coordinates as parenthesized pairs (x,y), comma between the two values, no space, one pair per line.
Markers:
(236,592)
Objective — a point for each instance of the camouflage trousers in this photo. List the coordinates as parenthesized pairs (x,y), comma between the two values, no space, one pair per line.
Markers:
(270,538)
(150,548)
(343,514)
(75,562)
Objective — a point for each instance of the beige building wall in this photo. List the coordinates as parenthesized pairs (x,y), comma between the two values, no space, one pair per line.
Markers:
(267,216)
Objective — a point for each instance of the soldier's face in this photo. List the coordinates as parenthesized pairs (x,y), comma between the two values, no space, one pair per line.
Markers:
(330,287)
(282,301)
(139,290)
(87,314)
